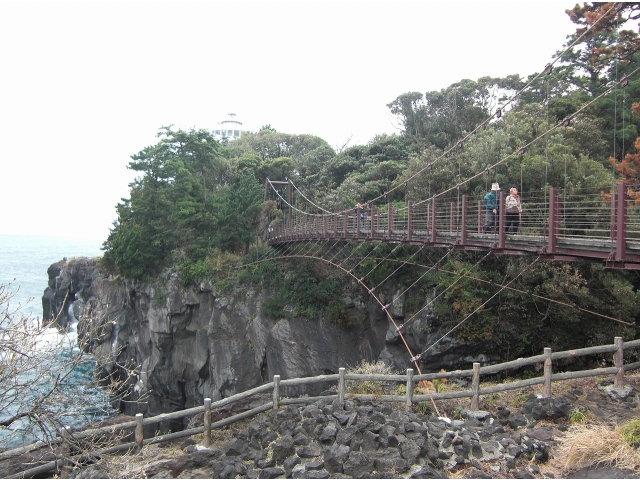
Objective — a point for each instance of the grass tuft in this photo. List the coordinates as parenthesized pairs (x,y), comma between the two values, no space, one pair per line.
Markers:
(580,415)
(371,387)
(630,432)
(586,445)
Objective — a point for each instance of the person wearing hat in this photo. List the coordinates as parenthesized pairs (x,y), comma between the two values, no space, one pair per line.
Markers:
(491,204)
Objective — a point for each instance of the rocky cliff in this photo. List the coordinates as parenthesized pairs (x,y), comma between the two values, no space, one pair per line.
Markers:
(183,344)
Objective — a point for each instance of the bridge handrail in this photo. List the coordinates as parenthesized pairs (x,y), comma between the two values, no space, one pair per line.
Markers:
(584,224)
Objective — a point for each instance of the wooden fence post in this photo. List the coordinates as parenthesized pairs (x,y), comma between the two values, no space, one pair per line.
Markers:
(206,435)
(475,386)
(139,433)
(341,372)
(618,362)
(409,402)
(548,370)
(276,391)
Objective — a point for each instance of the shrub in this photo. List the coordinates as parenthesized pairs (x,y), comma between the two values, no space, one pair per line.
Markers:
(344,316)
(244,276)
(579,415)
(423,408)
(273,307)
(630,432)
(223,285)
(457,412)
(191,271)
(371,387)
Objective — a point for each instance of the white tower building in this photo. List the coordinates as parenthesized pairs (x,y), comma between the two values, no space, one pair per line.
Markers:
(230,128)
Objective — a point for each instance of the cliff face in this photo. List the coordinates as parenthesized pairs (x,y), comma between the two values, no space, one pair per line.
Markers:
(186,344)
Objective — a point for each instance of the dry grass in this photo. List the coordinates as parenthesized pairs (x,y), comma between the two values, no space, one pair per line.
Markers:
(594,444)
(370,387)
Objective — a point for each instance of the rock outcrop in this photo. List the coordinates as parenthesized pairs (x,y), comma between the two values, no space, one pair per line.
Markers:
(364,439)
(183,344)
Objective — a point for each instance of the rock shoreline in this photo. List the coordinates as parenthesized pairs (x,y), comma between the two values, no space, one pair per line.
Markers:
(364,439)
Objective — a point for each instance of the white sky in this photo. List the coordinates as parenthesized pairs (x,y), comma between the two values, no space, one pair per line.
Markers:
(83,86)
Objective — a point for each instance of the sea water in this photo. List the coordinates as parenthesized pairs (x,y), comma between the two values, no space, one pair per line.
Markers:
(24,261)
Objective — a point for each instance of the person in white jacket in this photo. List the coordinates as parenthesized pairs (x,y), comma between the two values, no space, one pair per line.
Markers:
(513,212)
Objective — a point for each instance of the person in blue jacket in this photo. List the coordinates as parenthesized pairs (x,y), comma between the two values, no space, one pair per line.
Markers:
(360,208)
(491,204)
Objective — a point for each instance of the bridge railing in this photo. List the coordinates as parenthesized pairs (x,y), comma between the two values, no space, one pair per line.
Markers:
(607,222)
(584,215)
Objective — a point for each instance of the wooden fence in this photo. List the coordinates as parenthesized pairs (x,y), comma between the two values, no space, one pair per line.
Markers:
(409,399)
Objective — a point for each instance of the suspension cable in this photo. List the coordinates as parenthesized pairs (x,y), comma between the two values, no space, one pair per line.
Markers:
(417,357)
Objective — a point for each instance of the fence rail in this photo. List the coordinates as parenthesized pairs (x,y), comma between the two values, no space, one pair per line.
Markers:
(409,399)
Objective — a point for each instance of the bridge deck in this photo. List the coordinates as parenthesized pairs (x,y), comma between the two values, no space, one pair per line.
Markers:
(566,248)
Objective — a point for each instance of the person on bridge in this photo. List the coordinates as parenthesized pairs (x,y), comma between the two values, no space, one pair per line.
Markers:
(513,208)
(491,204)
(360,208)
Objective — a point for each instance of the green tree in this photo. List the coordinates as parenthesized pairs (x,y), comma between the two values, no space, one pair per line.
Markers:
(236,212)
(170,204)
(441,117)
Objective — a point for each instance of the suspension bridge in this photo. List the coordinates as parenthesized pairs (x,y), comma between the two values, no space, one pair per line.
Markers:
(581,226)
(556,225)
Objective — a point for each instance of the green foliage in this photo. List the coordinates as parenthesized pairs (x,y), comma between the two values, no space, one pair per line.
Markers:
(630,432)
(277,168)
(579,416)
(217,263)
(237,207)
(466,297)
(244,276)
(191,271)
(223,285)
(457,412)
(274,307)
(306,287)
(343,315)
(160,298)
(187,199)
(265,273)
(423,408)
(492,399)
(441,118)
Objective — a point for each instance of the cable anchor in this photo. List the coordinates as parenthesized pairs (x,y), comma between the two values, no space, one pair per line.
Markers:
(416,358)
